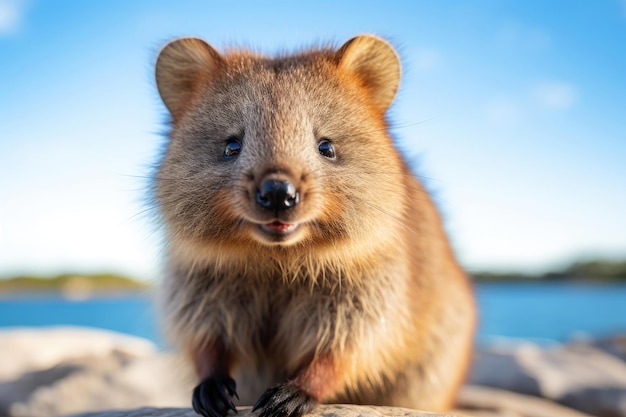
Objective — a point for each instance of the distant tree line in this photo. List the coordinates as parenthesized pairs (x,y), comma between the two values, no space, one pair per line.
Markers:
(593,270)
(96,282)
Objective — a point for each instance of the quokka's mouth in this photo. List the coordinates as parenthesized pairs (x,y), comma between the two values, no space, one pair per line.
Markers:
(279,228)
(279,233)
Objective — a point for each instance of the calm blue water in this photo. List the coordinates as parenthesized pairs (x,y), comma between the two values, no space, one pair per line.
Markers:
(132,314)
(550,311)
(539,311)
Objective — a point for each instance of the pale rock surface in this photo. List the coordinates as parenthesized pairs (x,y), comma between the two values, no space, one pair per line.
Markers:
(60,371)
(340,410)
(615,345)
(71,370)
(579,375)
(480,401)
(30,349)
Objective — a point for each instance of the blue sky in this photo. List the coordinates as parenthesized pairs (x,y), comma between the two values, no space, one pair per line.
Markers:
(514,111)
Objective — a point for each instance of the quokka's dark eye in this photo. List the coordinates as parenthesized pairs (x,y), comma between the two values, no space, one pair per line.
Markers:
(326,149)
(232,148)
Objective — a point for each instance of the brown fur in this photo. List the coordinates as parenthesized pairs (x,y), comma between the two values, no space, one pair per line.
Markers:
(365,302)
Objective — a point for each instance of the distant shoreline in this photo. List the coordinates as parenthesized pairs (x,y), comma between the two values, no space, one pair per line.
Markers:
(72,286)
(485,278)
(30,295)
(597,270)
(83,286)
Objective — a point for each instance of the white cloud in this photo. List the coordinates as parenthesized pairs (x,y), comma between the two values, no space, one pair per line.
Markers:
(512,109)
(556,95)
(11,13)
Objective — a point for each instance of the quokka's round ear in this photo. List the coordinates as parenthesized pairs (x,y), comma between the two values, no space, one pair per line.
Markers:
(181,67)
(377,65)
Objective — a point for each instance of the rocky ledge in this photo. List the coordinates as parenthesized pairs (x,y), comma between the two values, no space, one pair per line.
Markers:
(87,372)
(340,410)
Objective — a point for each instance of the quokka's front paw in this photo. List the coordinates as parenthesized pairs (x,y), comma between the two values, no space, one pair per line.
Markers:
(284,400)
(213,397)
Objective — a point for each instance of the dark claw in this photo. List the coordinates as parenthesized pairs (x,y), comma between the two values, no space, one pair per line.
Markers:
(284,400)
(231,388)
(213,396)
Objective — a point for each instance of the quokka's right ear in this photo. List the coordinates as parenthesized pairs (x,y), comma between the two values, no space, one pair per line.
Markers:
(182,67)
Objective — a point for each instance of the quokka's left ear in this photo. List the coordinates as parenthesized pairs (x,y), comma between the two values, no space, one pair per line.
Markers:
(375,62)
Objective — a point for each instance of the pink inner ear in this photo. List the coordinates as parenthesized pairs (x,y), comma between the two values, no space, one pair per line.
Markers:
(180,67)
(376,63)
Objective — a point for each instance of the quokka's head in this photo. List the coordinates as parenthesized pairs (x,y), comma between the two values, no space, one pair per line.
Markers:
(283,151)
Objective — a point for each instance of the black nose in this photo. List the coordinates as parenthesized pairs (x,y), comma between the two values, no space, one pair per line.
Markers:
(277,195)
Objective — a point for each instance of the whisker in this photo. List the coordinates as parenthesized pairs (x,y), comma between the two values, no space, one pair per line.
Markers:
(387,213)
(392,126)
(140,213)
(403,125)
